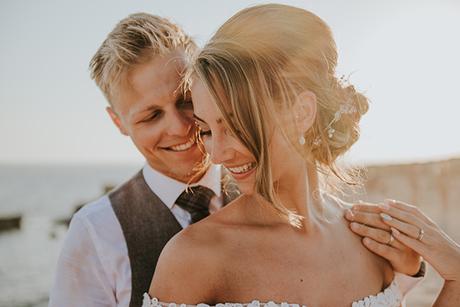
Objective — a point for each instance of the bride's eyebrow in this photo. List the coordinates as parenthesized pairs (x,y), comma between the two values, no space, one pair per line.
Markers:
(219,120)
(198,119)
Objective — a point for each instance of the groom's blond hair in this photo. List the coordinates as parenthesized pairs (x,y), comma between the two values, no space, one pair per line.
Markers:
(135,40)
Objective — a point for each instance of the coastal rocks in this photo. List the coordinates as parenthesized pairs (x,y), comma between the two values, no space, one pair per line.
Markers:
(10,222)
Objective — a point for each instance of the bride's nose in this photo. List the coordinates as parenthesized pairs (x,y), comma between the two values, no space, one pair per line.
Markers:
(221,149)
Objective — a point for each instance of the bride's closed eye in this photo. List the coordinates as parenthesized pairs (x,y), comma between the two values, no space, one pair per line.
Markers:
(204,132)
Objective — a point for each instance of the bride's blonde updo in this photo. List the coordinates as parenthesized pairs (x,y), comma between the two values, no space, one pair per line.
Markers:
(256,65)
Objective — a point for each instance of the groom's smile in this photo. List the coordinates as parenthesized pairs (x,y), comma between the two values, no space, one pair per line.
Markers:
(182,147)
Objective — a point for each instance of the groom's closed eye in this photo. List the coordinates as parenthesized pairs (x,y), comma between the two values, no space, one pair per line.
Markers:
(151,116)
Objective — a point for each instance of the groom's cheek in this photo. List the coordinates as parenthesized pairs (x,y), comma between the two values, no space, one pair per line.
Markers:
(145,138)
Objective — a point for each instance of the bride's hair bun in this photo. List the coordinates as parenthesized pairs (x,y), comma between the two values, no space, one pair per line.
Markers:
(334,134)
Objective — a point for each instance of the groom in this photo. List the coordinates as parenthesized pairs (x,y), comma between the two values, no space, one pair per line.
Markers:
(113,244)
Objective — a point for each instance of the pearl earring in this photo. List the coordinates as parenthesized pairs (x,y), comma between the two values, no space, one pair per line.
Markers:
(301,140)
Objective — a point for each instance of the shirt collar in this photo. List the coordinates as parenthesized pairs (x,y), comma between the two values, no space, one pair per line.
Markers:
(169,189)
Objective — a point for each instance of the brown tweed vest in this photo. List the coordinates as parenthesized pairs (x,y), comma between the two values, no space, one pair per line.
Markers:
(147,225)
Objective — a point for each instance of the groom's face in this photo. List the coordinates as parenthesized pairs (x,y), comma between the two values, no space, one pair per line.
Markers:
(151,109)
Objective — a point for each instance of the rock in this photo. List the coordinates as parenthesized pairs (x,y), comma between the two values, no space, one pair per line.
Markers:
(10,222)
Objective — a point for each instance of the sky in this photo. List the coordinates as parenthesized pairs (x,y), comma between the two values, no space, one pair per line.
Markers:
(404,55)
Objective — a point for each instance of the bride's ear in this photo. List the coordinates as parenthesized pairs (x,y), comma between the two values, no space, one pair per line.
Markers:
(305,110)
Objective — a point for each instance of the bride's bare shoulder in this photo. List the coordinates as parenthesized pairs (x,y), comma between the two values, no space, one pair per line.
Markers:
(195,256)
(185,269)
(375,264)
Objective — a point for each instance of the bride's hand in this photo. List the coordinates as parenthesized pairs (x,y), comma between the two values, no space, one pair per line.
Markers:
(365,220)
(417,231)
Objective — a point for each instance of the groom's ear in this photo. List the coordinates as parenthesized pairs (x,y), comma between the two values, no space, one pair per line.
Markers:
(305,110)
(116,120)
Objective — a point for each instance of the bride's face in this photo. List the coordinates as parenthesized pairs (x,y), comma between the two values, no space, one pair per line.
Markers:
(224,148)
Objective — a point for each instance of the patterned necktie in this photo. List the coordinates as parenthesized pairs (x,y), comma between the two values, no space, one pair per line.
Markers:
(195,200)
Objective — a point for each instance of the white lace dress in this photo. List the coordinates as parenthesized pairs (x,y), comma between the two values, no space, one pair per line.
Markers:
(392,296)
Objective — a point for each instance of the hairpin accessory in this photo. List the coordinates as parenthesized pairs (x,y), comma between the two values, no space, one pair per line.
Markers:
(346,108)
(317,141)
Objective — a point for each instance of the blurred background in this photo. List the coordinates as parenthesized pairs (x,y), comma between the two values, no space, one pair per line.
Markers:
(59,149)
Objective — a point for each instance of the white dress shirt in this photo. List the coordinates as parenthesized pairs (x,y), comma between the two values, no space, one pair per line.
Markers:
(93,268)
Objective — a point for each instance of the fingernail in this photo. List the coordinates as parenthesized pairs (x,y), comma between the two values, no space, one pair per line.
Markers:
(360,201)
(386,217)
(354,226)
(349,214)
(366,240)
(395,231)
(384,206)
(389,202)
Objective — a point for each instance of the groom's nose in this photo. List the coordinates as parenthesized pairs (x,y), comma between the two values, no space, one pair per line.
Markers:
(179,124)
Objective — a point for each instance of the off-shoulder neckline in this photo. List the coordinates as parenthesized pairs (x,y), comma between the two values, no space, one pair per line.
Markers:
(391,296)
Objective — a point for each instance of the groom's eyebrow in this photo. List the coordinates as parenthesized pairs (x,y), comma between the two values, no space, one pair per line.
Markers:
(151,107)
(145,109)
(136,113)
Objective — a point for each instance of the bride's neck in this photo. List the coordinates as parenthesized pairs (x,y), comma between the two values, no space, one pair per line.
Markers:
(299,194)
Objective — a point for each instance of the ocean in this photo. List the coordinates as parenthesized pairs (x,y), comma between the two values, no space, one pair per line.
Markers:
(43,194)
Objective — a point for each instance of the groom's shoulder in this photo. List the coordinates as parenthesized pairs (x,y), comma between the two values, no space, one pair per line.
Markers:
(101,208)
(95,218)
(95,224)
(94,209)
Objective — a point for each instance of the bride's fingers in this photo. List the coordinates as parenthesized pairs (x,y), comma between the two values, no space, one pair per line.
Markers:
(403,216)
(366,218)
(378,235)
(413,210)
(366,207)
(409,229)
(400,205)
(415,244)
(386,251)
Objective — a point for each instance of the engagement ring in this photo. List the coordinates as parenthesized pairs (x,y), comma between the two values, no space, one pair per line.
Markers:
(420,234)
(391,239)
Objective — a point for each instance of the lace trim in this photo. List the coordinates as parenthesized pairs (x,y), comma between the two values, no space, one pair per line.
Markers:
(148,302)
(390,297)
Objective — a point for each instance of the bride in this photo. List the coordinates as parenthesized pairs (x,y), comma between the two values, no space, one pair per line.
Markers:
(270,109)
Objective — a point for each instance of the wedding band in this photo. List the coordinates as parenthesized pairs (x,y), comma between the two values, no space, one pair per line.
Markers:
(420,234)
(391,239)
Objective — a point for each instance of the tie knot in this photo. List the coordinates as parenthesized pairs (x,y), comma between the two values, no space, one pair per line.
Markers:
(195,200)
